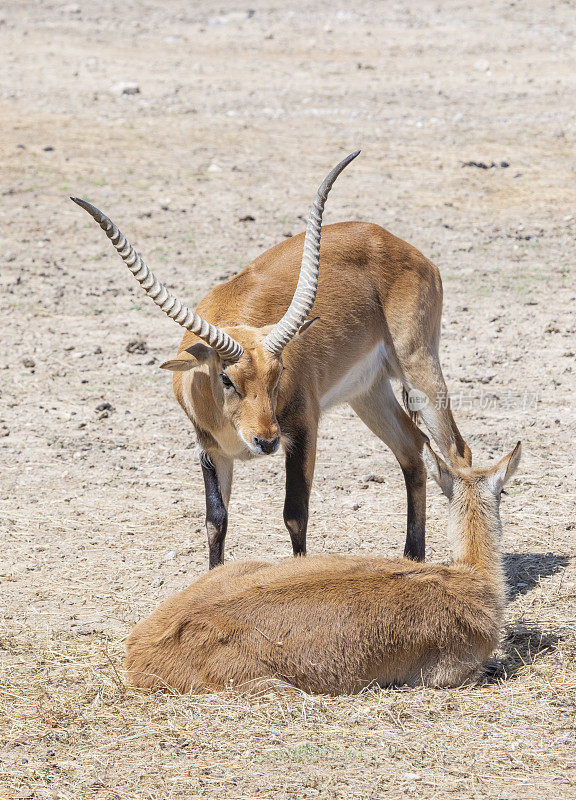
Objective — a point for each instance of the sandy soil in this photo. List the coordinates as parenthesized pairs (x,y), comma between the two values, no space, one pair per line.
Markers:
(240,113)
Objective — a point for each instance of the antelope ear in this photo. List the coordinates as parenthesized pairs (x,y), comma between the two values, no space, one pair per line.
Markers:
(504,469)
(199,352)
(438,470)
(305,325)
(179,364)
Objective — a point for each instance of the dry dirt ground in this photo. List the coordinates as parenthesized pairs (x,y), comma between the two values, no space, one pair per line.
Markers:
(241,111)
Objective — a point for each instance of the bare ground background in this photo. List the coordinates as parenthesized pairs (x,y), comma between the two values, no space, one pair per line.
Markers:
(241,111)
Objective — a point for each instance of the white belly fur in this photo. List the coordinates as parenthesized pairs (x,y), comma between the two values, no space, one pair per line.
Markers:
(358,380)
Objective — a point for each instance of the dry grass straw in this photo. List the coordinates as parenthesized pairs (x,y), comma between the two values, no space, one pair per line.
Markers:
(71,728)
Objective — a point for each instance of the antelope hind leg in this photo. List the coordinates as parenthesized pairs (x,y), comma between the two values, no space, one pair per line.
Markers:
(381,412)
(422,372)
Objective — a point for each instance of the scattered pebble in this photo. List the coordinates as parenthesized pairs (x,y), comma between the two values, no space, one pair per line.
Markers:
(483,165)
(29,362)
(87,628)
(124,88)
(137,346)
(104,410)
(373,479)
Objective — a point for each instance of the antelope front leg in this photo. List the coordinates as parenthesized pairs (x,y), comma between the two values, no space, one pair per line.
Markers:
(217,472)
(300,459)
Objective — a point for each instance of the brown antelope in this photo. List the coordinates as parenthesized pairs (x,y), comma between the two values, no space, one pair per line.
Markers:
(335,624)
(248,378)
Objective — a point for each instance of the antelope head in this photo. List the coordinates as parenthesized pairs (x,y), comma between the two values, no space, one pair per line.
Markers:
(474,526)
(244,364)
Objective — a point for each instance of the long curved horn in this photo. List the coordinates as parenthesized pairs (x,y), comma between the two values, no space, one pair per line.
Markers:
(305,294)
(176,310)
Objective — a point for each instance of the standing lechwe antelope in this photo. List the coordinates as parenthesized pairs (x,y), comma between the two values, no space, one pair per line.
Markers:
(336,624)
(249,379)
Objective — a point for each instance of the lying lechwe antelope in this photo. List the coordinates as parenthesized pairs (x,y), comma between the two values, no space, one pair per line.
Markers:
(335,624)
(248,378)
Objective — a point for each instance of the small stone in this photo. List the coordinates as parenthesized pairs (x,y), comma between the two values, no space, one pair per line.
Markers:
(124,88)
(87,630)
(247,218)
(482,65)
(477,164)
(170,555)
(374,479)
(104,410)
(137,346)
(29,362)
(84,625)
(214,168)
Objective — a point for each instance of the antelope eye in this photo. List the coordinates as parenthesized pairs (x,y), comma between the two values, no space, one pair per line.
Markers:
(226,380)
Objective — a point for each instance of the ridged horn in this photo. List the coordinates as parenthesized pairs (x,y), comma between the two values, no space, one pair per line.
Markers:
(305,294)
(176,310)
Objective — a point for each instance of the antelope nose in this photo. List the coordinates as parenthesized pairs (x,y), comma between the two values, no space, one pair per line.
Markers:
(267,446)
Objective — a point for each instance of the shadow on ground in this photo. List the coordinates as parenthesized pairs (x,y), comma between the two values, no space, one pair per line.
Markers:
(524,570)
(521,646)
(524,644)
